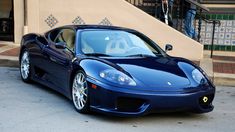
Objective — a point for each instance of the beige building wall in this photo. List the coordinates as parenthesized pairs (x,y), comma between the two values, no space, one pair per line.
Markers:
(18,20)
(118,13)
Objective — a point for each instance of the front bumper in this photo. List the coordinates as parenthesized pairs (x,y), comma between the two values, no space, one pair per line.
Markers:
(126,102)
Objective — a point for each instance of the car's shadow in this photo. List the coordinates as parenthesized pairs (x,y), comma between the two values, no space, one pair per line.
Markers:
(180,117)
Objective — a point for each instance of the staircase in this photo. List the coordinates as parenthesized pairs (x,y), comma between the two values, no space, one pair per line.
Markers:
(117,13)
(153,7)
(148,6)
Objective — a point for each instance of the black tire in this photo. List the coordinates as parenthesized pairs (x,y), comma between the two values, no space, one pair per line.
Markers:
(25,66)
(85,108)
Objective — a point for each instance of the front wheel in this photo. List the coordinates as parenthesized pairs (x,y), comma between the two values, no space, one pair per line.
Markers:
(25,66)
(80,95)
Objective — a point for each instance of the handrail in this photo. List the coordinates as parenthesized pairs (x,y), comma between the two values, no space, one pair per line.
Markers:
(210,20)
(198,5)
(214,22)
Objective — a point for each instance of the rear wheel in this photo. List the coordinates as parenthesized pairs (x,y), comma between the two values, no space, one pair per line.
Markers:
(80,95)
(25,66)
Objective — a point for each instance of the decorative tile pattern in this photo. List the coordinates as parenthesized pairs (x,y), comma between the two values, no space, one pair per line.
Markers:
(78,21)
(224,38)
(203,28)
(229,23)
(233,42)
(220,42)
(51,21)
(209,28)
(105,21)
(233,36)
(208,35)
(227,42)
(229,29)
(221,35)
(208,41)
(222,29)
(216,29)
(228,36)
(215,41)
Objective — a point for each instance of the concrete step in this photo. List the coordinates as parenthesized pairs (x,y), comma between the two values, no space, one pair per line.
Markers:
(221,79)
(9,61)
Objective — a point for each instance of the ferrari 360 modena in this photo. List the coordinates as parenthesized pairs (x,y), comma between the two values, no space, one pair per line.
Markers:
(114,70)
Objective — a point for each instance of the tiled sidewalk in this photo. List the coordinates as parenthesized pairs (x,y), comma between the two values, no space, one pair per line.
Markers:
(9,55)
(11,52)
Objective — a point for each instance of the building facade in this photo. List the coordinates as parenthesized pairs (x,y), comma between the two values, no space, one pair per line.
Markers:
(18,17)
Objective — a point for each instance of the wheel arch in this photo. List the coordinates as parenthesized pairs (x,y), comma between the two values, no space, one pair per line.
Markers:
(26,39)
(75,69)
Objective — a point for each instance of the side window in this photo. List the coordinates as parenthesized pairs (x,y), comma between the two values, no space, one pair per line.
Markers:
(59,38)
(53,34)
(67,36)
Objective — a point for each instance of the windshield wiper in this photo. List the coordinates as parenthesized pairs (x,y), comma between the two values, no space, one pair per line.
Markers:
(140,55)
(97,54)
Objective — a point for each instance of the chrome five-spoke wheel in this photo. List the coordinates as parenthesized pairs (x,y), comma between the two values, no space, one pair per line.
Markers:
(25,66)
(80,92)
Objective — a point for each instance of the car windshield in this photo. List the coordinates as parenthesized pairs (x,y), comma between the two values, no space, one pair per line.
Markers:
(116,43)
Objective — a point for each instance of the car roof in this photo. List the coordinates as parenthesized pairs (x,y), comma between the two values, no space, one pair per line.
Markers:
(84,27)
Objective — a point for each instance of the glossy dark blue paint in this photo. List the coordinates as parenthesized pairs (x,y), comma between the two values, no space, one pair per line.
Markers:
(164,83)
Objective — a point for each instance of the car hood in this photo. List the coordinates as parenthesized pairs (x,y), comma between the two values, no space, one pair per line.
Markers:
(154,73)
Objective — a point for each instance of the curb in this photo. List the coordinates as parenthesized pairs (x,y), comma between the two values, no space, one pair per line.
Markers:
(222,79)
(219,79)
(9,63)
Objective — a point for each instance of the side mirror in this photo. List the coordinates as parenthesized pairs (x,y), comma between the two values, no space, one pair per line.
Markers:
(60,45)
(168,47)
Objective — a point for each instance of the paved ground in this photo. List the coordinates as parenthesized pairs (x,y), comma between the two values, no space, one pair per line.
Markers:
(34,108)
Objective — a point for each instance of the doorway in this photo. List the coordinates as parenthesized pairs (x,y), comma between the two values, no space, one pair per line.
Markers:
(6,20)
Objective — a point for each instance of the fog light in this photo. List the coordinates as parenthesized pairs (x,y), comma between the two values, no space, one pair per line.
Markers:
(205,99)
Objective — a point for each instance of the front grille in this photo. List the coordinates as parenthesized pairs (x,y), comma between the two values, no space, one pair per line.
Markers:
(129,104)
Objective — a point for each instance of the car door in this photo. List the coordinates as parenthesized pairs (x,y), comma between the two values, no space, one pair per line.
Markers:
(58,61)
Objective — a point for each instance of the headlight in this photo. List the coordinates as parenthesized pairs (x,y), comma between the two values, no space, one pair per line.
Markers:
(117,77)
(198,76)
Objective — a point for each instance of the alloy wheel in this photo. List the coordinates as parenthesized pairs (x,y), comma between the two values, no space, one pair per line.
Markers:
(80,92)
(25,66)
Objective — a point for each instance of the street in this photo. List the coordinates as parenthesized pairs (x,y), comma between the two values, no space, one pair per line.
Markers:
(35,108)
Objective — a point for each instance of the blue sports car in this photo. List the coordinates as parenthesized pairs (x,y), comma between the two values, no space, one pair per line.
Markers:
(114,70)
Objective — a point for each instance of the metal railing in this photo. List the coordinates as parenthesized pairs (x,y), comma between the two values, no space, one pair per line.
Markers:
(153,7)
(217,1)
(214,23)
